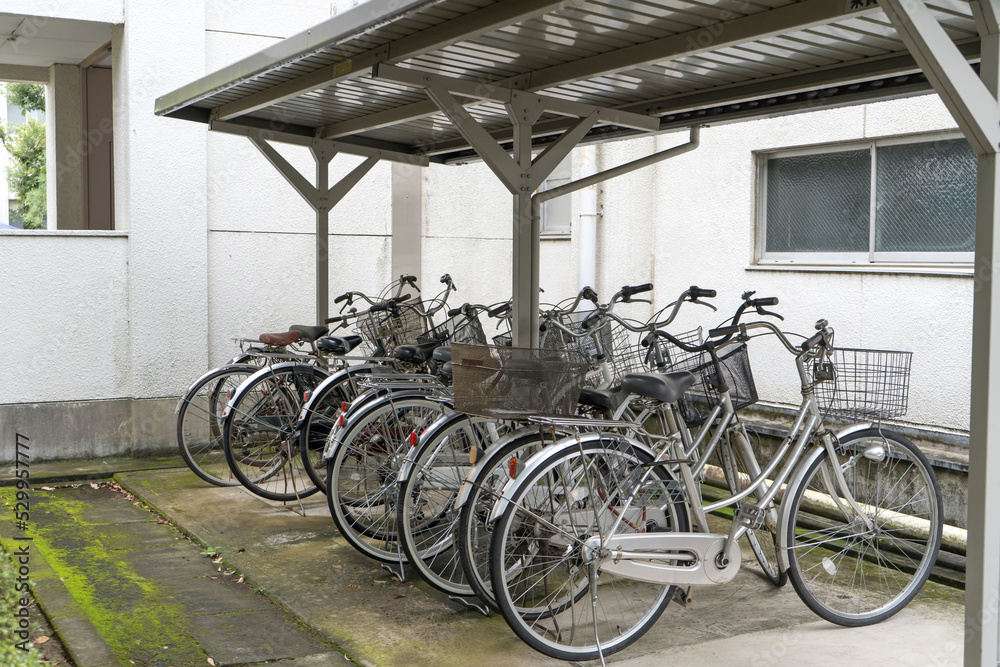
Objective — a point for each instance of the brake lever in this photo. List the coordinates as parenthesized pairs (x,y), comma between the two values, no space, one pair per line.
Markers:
(703,303)
(761,311)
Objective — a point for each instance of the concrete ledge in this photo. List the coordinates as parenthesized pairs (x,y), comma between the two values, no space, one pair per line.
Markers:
(89,429)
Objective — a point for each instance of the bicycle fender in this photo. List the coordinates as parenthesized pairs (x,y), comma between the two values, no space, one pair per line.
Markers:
(487,462)
(444,421)
(264,372)
(568,443)
(359,418)
(202,378)
(790,491)
(320,391)
(852,429)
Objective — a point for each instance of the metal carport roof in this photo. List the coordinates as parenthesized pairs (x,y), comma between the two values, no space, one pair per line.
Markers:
(447,79)
(679,61)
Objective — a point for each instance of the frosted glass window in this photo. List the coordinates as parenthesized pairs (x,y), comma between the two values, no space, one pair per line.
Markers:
(926,197)
(819,203)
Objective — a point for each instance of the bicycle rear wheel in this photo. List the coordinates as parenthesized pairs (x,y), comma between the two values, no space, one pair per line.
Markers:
(199,423)
(548,585)
(259,432)
(858,570)
(363,471)
(426,509)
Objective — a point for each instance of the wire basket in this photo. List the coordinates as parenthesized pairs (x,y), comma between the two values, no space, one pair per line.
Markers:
(392,328)
(554,338)
(629,355)
(869,385)
(460,328)
(515,382)
(699,401)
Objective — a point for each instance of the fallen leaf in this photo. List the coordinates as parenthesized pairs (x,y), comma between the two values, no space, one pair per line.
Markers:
(380,581)
(240,580)
(229,572)
(41,640)
(337,567)
(240,550)
(213,577)
(399,596)
(94,486)
(47,488)
(353,586)
(211,662)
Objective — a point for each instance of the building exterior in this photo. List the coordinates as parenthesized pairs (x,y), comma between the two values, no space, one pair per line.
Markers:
(110,315)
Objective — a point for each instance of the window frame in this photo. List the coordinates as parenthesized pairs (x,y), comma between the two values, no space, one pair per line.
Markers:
(841,259)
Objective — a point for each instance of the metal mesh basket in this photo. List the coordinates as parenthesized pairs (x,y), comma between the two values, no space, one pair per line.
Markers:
(460,328)
(869,385)
(553,338)
(629,355)
(390,329)
(702,397)
(516,382)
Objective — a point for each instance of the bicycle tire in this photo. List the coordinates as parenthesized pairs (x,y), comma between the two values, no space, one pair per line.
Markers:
(200,421)
(550,596)
(834,559)
(474,531)
(363,469)
(321,416)
(259,432)
(764,539)
(427,515)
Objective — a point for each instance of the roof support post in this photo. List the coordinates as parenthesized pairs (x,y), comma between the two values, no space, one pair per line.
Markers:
(321,197)
(973,102)
(982,596)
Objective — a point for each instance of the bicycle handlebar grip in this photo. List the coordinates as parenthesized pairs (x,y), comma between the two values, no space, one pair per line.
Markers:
(455,311)
(589,294)
(630,290)
(378,308)
(697,293)
(331,320)
(723,331)
(342,297)
(768,301)
(446,278)
(399,299)
(812,342)
(591,320)
(408,279)
(499,310)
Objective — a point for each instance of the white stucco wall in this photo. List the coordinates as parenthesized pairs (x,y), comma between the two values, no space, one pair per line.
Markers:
(691,220)
(64,329)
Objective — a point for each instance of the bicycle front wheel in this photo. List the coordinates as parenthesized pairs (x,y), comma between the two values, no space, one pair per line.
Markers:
(548,583)
(199,423)
(858,569)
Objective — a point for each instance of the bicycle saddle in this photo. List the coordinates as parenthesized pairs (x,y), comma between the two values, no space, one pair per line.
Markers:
(309,333)
(665,387)
(338,344)
(280,339)
(442,354)
(415,353)
(609,399)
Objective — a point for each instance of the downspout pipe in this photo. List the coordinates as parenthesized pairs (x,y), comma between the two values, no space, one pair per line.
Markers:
(586,181)
(588,222)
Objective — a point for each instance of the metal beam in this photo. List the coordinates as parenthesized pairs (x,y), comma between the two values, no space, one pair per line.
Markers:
(291,174)
(974,108)
(982,590)
(310,142)
(505,95)
(460,28)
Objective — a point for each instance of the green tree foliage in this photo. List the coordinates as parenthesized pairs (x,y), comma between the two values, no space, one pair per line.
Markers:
(26,145)
(26,96)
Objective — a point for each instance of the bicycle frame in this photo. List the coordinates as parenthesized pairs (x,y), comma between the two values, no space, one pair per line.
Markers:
(660,557)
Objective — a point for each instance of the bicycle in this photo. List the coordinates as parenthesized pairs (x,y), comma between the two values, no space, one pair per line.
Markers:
(603,518)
